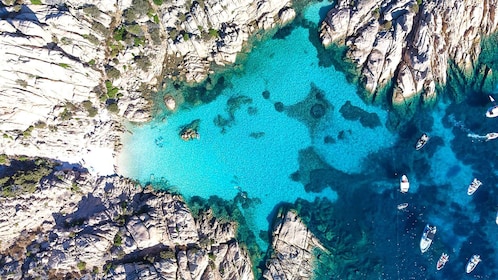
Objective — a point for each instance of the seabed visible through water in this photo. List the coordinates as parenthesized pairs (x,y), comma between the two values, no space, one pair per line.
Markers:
(307,139)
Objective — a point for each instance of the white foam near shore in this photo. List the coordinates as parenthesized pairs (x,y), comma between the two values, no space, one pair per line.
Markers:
(99,161)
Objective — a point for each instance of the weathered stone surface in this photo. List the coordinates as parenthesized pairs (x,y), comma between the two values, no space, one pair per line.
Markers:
(409,43)
(292,246)
(78,225)
(63,64)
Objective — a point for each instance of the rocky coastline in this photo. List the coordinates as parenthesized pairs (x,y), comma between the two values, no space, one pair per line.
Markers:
(410,45)
(74,73)
(79,225)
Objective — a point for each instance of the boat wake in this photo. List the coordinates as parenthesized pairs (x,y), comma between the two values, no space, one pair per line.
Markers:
(459,124)
(477,136)
(487,137)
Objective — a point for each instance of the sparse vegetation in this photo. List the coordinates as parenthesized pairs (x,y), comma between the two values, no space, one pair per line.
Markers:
(66,41)
(92,10)
(143,62)
(81,265)
(112,73)
(28,131)
(213,33)
(22,83)
(64,65)
(88,105)
(113,107)
(91,38)
(118,240)
(4,159)
(111,90)
(99,27)
(25,177)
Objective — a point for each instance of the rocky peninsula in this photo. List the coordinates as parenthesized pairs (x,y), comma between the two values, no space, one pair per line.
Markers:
(411,44)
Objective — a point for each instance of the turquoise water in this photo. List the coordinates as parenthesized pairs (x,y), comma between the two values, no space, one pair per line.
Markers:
(287,129)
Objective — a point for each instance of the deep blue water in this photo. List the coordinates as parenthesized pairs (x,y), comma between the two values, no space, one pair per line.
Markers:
(289,128)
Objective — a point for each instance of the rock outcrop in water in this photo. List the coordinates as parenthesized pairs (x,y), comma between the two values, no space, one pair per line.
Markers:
(70,71)
(410,42)
(292,249)
(76,225)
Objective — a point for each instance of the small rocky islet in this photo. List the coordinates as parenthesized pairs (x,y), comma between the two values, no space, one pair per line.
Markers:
(73,73)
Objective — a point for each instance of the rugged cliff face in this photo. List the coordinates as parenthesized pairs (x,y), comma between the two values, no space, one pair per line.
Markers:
(78,225)
(72,71)
(74,224)
(408,42)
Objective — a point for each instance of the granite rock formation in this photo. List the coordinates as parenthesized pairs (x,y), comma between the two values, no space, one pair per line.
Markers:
(408,42)
(72,71)
(80,226)
(292,249)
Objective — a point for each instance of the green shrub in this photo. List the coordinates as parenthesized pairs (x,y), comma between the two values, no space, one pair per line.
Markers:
(91,62)
(112,73)
(26,179)
(111,89)
(4,158)
(28,131)
(64,65)
(81,265)
(88,105)
(36,2)
(118,240)
(113,107)
(134,29)
(213,33)
(158,2)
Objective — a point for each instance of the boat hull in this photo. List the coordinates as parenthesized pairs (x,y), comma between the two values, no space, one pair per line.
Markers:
(404,184)
(427,237)
(473,262)
(492,112)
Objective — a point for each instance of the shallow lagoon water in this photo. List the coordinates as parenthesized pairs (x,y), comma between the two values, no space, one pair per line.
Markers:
(297,152)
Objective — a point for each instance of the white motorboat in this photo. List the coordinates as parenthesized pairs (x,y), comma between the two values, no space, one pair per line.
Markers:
(497,217)
(473,186)
(442,261)
(491,136)
(404,205)
(421,141)
(493,111)
(427,237)
(473,262)
(404,185)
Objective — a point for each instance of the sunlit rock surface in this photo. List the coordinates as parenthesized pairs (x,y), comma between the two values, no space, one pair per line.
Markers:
(78,225)
(409,42)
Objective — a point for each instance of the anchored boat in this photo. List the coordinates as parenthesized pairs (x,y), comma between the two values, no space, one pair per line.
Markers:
(404,185)
(473,262)
(473,186)
(442,261)
(421,141)
(427,237)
